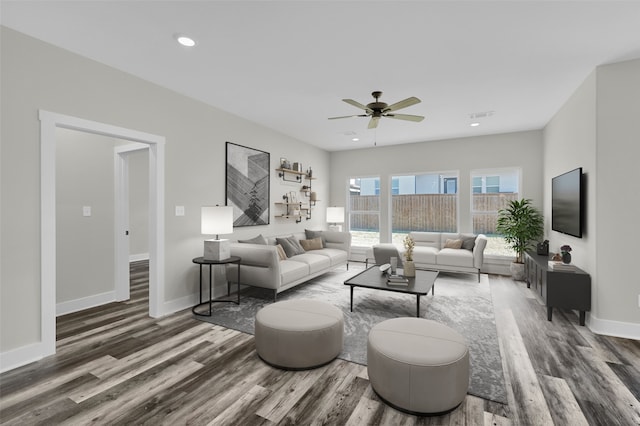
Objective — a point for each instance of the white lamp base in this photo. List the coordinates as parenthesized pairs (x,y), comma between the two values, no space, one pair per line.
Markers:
(216,249)
(337,228)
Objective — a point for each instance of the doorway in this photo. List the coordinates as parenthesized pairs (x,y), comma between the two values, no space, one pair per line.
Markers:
(123,225)
(49,121)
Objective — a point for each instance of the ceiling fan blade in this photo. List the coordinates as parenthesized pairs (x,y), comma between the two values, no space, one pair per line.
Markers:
(408,117)
(356,104)
(402,104)
(348,116)
(373,123)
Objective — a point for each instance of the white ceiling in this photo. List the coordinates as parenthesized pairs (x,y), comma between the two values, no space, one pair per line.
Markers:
(287,65)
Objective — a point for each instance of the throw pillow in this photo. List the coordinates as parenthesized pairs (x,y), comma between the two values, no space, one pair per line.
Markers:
(255,240)
(312,244)
(281,254)
(453,244)
(315,234)
(290,245)
(468,243)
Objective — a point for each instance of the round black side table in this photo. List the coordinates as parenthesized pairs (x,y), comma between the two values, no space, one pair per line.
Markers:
(201,261)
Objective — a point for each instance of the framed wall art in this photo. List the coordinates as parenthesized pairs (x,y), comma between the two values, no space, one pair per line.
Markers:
(247,184)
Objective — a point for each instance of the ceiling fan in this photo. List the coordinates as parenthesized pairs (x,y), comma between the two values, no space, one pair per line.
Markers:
(378,109)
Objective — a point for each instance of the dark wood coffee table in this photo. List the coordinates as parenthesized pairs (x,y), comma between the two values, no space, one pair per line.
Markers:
(374,279)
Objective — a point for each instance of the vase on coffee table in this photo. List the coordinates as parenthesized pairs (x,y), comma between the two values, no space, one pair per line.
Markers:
(409,268)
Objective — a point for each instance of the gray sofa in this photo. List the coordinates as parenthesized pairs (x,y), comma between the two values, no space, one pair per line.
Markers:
(430,252)
(260,264)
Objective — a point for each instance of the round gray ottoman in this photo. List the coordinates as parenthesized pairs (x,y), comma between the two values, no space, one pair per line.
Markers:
(299,334)
(417,365)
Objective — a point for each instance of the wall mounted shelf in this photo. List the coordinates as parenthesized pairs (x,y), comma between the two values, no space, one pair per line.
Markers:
(289,175)
(297,176)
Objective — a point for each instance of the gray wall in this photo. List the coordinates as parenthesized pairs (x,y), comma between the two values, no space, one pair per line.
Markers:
(36,75)
(522,150)
(597,130)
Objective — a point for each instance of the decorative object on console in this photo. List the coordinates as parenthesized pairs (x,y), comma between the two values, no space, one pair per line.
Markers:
(409,267)
(216,220)
(335,215)
(520,223)
(247,186)
(566,253)
(543,248)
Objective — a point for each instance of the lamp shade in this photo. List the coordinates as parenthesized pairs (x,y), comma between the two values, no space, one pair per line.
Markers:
(335,214)
(217,220)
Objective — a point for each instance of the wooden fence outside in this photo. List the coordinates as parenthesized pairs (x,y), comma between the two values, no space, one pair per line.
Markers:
(428,212)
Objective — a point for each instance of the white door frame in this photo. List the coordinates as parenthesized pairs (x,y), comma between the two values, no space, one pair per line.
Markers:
(121,197)
(48,123)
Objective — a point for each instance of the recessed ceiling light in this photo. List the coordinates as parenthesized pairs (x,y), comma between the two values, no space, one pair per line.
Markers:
(474,124)
(185,40)
(355,139)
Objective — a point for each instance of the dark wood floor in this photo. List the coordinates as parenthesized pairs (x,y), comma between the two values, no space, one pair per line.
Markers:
(114,365)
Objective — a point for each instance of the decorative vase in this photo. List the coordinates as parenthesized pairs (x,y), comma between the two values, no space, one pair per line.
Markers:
(566,258)
(409,268)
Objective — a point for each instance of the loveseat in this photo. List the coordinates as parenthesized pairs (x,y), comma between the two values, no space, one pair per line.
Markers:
(264,264)
(440,251)
(451,252)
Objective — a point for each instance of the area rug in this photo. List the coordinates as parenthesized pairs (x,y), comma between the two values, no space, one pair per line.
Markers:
(459,302)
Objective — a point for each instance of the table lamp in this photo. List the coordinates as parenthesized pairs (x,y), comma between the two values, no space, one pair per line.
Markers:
(335,215)
(217,220)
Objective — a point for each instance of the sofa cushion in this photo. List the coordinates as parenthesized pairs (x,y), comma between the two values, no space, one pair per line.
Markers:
(426,239)
(312,244)
(315,234)
(281,253)
(255,240)
(468,241)
(336,256)
(453,244)
(290,245)
(315,262)
(444,236)
(455,257)
(290,270)
(425,254)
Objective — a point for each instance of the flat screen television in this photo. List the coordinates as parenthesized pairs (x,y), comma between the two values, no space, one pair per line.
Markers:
(566,203)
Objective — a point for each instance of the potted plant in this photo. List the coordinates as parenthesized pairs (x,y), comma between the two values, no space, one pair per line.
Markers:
(409,268)
(520,223)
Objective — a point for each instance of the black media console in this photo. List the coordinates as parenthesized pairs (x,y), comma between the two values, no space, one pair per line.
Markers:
(558,289)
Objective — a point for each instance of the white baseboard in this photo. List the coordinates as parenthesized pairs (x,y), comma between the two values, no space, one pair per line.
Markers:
(138,257)
(180,304)
(21,356)
(626,330)
(76,305)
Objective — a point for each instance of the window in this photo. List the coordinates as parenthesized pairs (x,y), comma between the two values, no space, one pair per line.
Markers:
(486,184)
(425,202)
(364,211)
(492,190)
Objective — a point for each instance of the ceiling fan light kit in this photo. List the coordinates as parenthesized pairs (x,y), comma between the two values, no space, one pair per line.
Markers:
(378,109)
